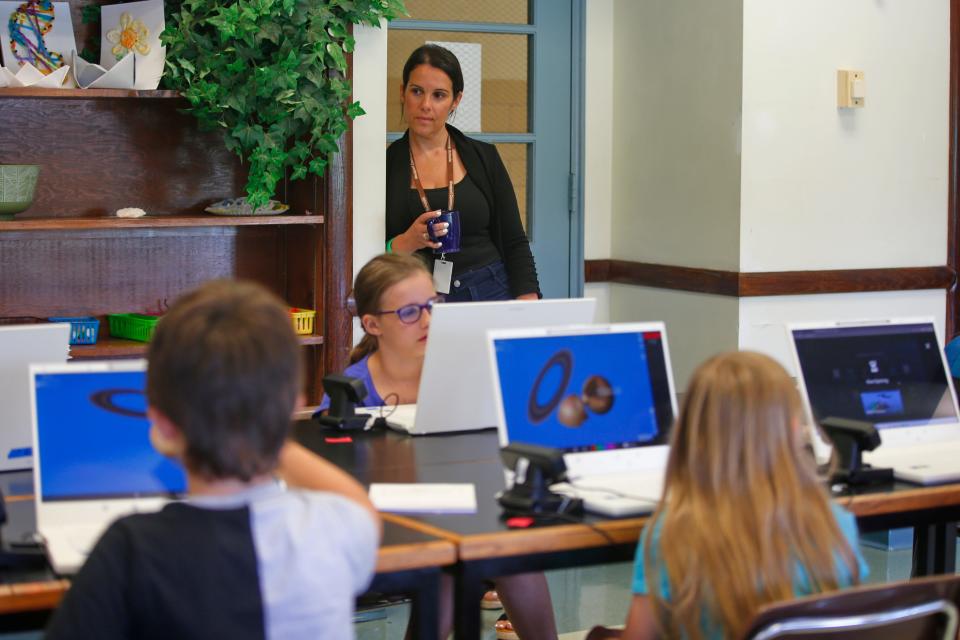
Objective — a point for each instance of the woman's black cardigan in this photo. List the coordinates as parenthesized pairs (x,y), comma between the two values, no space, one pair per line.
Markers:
(485,167)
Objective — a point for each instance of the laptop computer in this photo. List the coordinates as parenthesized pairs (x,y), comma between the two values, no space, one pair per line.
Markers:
(603,395)
(20,346)
(93,460)
(893,374)
(456,390)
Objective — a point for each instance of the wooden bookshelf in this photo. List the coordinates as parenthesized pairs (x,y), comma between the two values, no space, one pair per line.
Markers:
(153,222)
(119,348)
(100,150)
(87,94)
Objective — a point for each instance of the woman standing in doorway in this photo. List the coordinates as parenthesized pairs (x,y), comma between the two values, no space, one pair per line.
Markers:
(435,167)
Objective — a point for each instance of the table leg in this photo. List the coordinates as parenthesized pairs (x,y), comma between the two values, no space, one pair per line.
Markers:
(934,549)
(423,588)
(423,610)
(466,607)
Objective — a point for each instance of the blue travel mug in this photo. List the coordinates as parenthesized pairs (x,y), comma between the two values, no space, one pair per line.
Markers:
(449,243)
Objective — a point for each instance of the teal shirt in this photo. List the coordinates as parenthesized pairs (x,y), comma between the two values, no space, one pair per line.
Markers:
(801,587)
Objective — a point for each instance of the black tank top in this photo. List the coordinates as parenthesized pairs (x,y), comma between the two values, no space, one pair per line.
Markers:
(476,247)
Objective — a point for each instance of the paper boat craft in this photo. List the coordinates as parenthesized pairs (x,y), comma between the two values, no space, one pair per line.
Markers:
(30,76)
(134,71)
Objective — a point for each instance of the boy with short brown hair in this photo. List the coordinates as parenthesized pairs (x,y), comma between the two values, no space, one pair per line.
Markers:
(243,556)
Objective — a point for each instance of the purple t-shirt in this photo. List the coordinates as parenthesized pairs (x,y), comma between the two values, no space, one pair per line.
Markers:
(359,369)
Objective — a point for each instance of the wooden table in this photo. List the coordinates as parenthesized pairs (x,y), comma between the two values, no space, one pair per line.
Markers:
(409,562)
(488,548)
(480,546)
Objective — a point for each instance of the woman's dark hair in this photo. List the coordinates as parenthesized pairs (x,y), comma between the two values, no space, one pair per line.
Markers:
(439,57)
(372,282)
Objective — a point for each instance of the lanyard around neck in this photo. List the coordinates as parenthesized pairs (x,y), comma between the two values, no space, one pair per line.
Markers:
(419,186)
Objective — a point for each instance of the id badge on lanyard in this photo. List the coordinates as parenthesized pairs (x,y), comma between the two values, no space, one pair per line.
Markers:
(442,275)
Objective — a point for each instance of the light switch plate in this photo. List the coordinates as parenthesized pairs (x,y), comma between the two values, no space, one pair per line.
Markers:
(850,89)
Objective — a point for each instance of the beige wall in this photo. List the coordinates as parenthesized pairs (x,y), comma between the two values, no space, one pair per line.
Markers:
(815,187)
(698,325)
(676,107)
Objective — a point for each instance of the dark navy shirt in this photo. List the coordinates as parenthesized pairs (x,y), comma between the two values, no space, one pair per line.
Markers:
(264,563)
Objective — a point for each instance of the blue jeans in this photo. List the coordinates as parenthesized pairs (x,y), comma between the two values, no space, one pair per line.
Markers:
(486,283)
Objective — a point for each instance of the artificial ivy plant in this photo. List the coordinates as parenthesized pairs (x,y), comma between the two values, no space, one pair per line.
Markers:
(271,75)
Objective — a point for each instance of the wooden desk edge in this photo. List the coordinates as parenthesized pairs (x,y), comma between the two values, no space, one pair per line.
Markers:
(418,555)
(875,504)
(46,595)
(565,537)
(32,596)
(422,527)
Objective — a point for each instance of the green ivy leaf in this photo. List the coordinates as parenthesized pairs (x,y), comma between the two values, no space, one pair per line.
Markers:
(186,65)
(355,110)
(269,74)
(336,53)
(90,14)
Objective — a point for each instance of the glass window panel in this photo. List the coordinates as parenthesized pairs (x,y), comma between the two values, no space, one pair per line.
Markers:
(515,157)
(504,86)
(506,11)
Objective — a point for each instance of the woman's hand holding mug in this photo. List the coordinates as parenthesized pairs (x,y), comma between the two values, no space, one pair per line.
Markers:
(416,236)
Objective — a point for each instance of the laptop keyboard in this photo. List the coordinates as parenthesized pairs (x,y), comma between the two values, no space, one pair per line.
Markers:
(647,487)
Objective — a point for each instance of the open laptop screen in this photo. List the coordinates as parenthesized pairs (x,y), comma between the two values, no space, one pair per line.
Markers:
(585,391)
(93,438)
(891,375)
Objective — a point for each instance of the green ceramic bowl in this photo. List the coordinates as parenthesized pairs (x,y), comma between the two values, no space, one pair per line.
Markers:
(17,183)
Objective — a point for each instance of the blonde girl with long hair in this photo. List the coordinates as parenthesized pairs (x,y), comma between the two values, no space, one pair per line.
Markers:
(744,520)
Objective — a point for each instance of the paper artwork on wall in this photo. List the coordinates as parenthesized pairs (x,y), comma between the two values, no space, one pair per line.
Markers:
(467,116)
(131,56)
(30,76)
(93,76)
(133,27)
(38,33)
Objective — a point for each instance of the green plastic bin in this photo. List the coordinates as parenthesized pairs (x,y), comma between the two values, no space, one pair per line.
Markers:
(132,326)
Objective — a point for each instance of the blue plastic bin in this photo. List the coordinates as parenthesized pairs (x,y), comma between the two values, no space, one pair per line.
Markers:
(83,330)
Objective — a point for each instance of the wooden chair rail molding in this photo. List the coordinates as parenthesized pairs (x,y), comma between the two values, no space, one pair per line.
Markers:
(770,283)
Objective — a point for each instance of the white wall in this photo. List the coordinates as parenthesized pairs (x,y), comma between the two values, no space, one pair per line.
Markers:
(676,107)
(369,144)
(824,188)
(598,131)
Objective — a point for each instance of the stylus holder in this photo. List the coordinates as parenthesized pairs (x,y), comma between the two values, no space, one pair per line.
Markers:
(345,393)
(850,439)
(534,470)
(31,558)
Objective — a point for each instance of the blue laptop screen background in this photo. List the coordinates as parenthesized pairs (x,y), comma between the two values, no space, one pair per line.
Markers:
(584,392)
(92,443)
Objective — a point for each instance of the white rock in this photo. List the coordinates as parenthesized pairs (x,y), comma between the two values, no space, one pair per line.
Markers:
(131,212)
